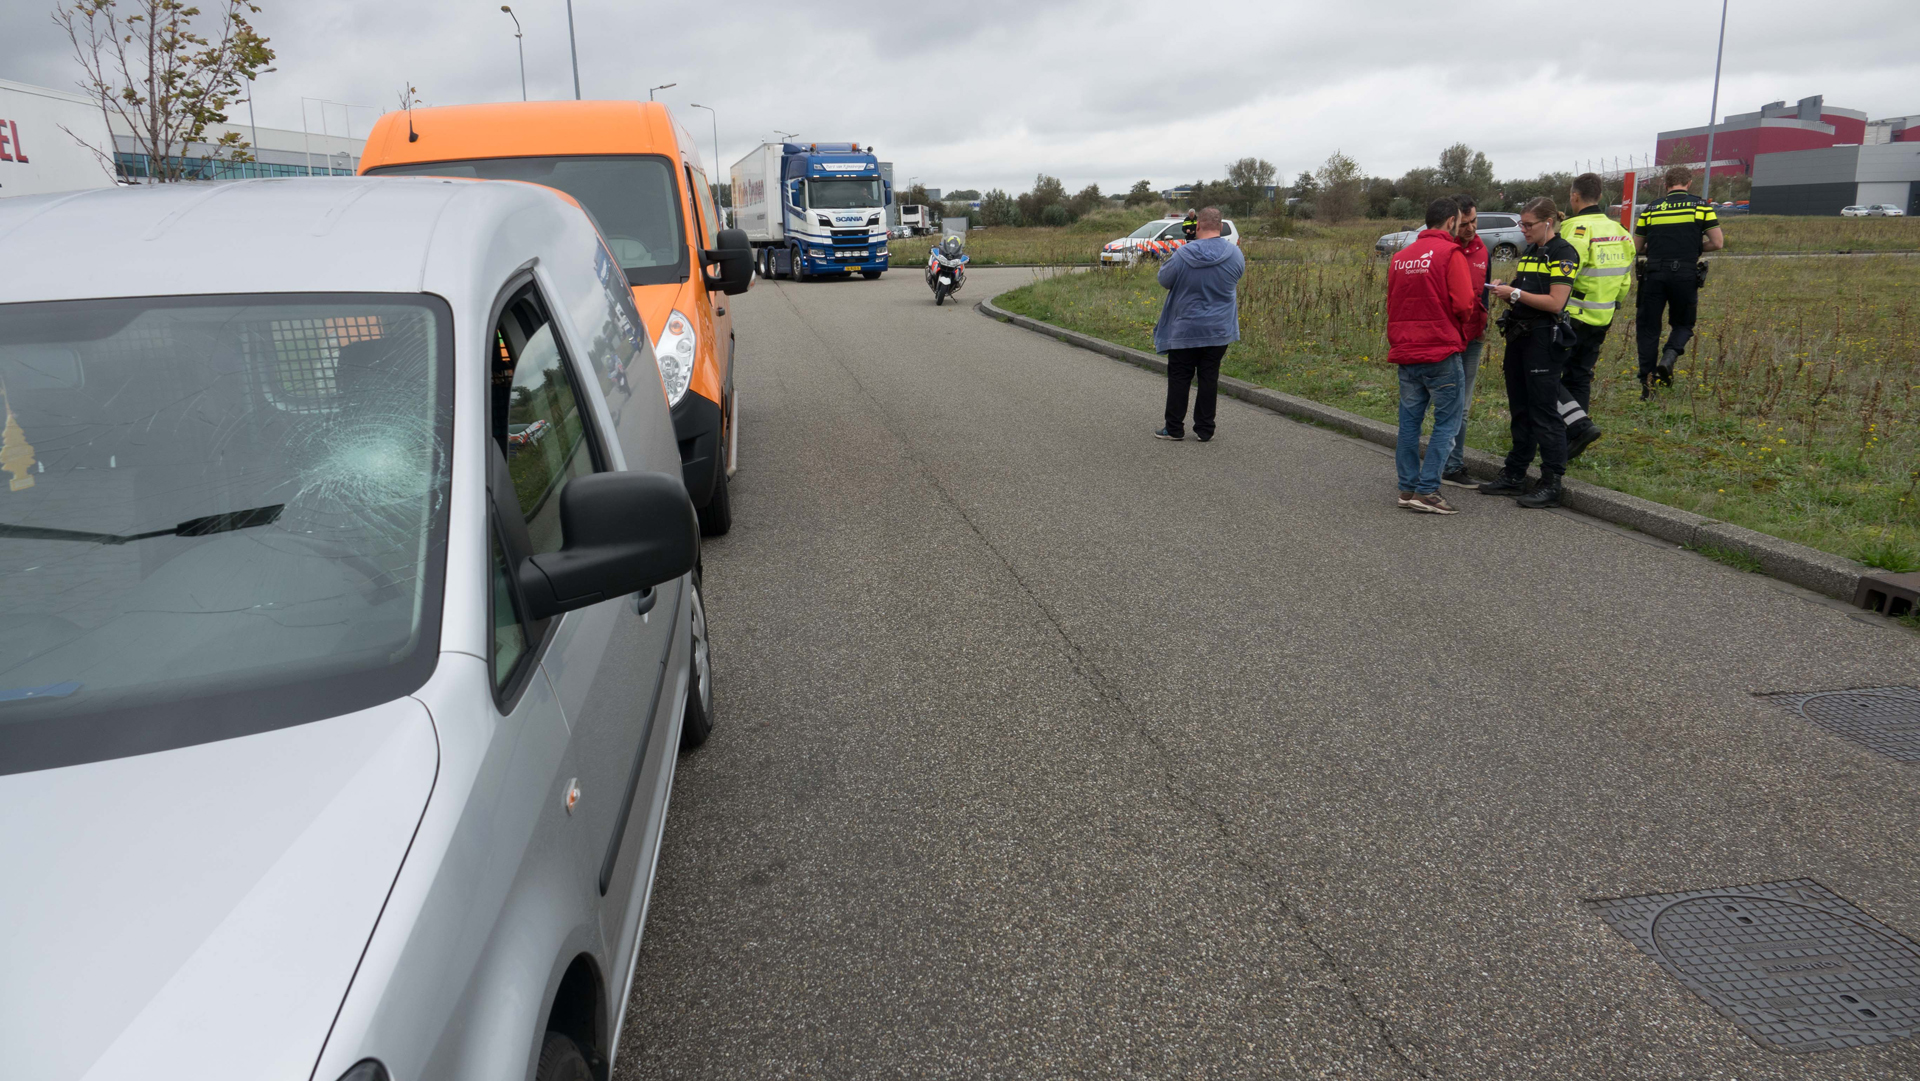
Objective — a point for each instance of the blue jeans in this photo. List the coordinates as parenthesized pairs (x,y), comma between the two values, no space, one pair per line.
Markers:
(1469,371)
(1437,383)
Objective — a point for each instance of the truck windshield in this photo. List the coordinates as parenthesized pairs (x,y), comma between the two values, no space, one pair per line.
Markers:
(222,515)
(844,194)
(632,198)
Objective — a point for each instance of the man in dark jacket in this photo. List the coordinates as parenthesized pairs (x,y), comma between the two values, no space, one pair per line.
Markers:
(1430,303)
(1199,320)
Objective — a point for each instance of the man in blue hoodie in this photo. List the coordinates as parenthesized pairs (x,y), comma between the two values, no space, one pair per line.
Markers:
(1199,320)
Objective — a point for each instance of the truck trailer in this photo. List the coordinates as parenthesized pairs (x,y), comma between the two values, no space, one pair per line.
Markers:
(813,209)
(916,220)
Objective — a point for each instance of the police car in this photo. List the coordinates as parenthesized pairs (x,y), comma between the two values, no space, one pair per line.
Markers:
(1155,240)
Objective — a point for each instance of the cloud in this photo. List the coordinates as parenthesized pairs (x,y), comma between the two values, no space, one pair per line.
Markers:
(989,93)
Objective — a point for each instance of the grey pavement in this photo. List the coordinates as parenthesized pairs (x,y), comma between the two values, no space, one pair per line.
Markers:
(1047,749)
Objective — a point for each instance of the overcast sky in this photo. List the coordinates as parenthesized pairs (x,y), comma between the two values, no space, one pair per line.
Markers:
(979,95)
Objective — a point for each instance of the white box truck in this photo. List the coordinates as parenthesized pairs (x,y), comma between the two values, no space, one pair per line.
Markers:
(916,220)
(813,209)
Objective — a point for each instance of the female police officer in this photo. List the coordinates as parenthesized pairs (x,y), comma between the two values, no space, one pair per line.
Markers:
(1537,345)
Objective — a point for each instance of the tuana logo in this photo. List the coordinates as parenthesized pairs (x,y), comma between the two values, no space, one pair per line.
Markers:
(1414,266)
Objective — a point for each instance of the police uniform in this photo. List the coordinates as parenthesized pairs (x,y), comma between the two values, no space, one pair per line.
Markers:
(1535,361)
(1190,226)
(1674,227)
(1605,249)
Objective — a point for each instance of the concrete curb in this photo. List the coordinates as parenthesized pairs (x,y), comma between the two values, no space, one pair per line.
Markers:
(1809,568)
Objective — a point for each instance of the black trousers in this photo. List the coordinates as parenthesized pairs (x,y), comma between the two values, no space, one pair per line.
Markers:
(1576,381)
(1677,293)
(1201,366)
(1533,366)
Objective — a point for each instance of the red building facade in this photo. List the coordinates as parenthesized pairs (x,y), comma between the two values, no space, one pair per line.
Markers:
(1809,124)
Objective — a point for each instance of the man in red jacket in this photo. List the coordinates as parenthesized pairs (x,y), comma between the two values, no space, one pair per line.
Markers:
(1479,266)
(1430,304)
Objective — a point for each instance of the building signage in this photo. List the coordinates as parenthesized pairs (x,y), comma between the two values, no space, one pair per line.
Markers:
(51,141)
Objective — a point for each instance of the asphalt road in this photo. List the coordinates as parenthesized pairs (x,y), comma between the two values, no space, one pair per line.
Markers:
(1048,749)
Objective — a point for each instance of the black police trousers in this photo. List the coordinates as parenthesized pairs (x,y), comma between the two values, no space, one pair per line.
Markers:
(1197,366)
(1677,293)
(1576,381)
(1533,366)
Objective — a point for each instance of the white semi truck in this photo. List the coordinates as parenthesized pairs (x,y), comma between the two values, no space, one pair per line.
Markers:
(916,220)
(812,209)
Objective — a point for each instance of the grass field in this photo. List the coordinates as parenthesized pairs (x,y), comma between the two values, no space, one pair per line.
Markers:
(1080,242)
(1796,410)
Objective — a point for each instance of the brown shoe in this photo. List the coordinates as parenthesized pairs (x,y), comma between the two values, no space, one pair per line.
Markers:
(1430,504)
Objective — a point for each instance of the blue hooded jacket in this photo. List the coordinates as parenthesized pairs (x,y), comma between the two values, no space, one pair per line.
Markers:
(1202,308)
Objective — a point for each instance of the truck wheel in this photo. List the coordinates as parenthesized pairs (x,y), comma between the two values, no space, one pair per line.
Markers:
(717,516)
(871,275)
(696,724)
(799,272)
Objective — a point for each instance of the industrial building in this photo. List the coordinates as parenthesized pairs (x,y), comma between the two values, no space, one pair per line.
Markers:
(1822,181)
(1741,139)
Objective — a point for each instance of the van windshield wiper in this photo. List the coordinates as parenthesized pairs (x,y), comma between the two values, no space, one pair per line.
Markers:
(192,527)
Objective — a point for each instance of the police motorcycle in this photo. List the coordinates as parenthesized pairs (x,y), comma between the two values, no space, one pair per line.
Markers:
(946,269)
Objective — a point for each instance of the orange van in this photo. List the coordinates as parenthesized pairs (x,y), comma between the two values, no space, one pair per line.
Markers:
(637,173)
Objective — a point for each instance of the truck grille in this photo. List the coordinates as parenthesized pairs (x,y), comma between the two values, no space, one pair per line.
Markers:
(850,245)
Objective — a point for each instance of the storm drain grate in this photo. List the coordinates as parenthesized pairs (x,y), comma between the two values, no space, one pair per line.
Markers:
(1882,719)
(1793,964)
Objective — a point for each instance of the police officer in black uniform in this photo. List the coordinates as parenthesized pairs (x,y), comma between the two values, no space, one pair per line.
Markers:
(1538,340)
(1670,236)
(1190,225)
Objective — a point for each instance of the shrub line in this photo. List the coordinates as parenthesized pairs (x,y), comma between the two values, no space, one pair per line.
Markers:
(1810,568)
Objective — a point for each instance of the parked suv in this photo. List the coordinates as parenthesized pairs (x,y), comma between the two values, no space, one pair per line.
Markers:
(637,171)
(338,726)
(1499,231)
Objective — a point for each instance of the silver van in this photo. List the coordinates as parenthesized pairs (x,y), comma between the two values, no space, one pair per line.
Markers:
(350,623)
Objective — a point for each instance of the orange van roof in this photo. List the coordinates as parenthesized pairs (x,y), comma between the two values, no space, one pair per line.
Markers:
(521,129)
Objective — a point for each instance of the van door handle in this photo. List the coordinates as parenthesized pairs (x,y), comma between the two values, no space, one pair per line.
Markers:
(719,311)
(644,601)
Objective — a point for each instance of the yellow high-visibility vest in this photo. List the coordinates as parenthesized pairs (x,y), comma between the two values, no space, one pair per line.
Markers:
(1606,266)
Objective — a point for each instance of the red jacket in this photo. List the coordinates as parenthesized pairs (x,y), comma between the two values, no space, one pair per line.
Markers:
(1430,300)
(1479,270)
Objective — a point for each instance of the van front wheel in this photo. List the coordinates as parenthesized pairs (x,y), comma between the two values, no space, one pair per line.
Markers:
(717,516)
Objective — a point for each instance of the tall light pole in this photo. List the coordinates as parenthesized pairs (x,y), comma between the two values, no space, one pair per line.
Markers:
(716,135)
(519,41)
(1713,113)
(574,48)
(662,86)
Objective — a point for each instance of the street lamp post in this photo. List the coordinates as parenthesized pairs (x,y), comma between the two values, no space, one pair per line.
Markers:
(716,134)
(574,48)
(1713,112)
(662,86)
(521,42)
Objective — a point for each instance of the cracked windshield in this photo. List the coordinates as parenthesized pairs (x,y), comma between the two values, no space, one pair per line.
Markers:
(208,498)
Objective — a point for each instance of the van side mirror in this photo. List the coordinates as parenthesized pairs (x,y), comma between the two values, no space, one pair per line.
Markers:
(621,533)
(735,256)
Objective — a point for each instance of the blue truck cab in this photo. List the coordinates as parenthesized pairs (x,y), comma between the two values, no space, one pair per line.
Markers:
(832,218)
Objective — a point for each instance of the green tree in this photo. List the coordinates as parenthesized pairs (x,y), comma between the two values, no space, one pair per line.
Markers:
(165,74)
(1085,201)
(1141,194)
(1464,169)
(1340,182)
(1047,191)
(999,208)
(964,195)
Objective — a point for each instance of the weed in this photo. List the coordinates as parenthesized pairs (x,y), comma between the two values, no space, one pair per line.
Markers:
(1739,561)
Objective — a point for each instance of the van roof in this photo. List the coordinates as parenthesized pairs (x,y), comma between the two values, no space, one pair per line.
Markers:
(526,129)
(283,235)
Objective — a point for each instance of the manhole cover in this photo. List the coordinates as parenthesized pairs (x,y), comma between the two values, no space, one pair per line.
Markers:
(1795,965)
(1883,719)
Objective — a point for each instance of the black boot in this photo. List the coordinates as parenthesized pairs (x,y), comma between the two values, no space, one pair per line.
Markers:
(1545,494)
(1582,436)
(1505,484)
(1663,372)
